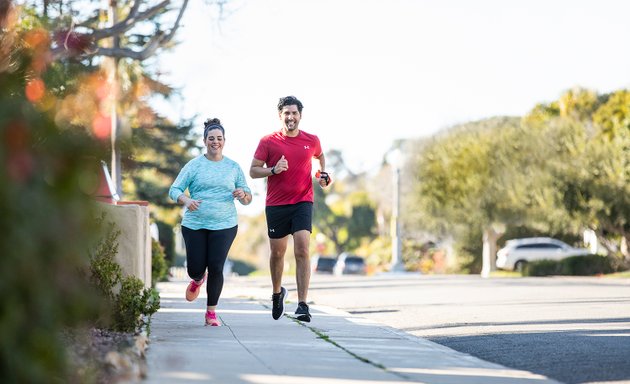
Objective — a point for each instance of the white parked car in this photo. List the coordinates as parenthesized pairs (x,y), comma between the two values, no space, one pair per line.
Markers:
(518,252)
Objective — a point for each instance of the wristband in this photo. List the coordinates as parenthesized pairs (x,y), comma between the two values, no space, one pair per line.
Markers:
(323,175)
(272,170)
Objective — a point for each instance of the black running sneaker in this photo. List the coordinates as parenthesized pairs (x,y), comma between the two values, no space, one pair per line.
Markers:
(302,312)
(277,303)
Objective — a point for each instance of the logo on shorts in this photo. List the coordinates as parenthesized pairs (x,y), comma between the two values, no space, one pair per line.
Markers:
(272,230)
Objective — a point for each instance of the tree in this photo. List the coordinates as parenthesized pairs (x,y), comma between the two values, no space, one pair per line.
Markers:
(344,213)
(118,39)
(109,48)
(80,29)
(85,90)
(589,165)
(599,190)
(560,169)
(467,178)
(158,151)
(613,116)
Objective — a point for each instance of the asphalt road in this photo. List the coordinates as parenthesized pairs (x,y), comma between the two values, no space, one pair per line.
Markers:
(574,330)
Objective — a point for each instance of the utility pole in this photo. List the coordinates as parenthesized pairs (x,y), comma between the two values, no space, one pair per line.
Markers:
(110,64)
(112,17)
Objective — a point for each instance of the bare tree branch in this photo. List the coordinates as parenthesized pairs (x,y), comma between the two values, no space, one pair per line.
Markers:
(130,21)
(159,40)
(171,34)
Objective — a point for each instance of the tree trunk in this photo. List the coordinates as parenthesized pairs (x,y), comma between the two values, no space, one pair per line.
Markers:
(489,254)
(614,247)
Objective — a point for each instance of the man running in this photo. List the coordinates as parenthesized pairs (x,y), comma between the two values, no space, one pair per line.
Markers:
(285,159)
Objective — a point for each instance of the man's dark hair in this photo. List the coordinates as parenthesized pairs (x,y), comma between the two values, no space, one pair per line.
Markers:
(290,100)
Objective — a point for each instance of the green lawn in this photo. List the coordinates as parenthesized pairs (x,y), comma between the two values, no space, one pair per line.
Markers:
(618,275)
(624,274)
(500,273)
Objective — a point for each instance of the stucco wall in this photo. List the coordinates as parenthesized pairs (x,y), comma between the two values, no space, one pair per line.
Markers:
(134,242)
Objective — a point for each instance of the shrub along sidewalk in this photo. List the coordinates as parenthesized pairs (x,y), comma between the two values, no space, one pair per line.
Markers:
(589,265)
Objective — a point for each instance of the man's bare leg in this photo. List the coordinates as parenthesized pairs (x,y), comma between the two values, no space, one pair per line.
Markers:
(276,261)
(301,240)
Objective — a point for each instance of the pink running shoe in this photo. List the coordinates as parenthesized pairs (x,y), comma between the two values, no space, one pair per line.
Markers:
(192,291)
(211,319)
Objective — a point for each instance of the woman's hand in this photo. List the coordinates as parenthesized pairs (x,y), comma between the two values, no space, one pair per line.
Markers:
(191,204)
(242,196)
(239,194)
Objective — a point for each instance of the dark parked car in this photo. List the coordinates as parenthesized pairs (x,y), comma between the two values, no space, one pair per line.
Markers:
(323,264)
(348,264)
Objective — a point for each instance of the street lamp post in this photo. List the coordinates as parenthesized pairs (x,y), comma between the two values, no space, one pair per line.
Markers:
(396,260)
(396,241)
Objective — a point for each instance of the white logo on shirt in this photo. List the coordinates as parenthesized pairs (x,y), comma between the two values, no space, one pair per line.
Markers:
(307,147)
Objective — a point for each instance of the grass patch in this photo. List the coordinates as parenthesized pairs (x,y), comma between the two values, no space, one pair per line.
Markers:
(258,273)
(327,338)
(619,275)
(501,273)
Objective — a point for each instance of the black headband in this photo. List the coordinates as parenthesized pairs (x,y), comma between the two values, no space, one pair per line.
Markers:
(212,126)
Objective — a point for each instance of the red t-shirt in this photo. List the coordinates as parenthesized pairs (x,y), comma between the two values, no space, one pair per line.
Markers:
(295,184)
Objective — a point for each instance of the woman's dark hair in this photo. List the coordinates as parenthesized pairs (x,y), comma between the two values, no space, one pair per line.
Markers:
(211,124)
(290,100)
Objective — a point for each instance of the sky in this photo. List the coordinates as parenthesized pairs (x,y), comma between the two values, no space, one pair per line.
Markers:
(370,72)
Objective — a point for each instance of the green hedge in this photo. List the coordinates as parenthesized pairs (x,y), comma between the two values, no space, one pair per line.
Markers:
(167,240)
(159,266)
(542,268)
(588,265)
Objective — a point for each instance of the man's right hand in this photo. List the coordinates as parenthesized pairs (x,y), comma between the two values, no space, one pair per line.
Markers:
(281,166)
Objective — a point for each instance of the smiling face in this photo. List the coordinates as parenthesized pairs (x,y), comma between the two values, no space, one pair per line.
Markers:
(290,117)
(214,143)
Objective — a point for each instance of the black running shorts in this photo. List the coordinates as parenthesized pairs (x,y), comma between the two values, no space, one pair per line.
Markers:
(285,220)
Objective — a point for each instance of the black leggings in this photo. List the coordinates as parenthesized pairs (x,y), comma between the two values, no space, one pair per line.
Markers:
(208,249)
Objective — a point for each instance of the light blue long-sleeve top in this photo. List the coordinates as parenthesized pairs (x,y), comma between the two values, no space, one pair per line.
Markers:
(212,182)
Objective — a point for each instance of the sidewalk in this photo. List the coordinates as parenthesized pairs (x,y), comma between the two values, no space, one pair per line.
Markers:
(335,348)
